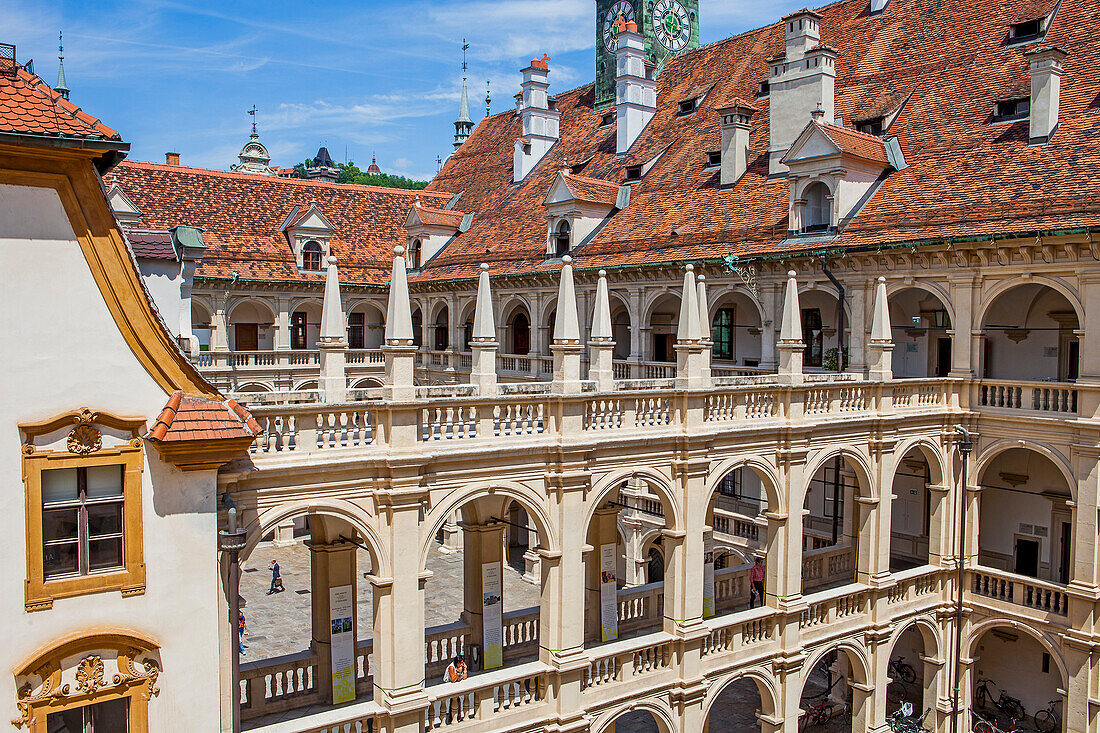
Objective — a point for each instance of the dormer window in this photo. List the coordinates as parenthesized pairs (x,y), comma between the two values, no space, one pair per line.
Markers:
(818,216)
(872,127)
(607,119)
(415,250)
(1010,110)
(633,173)
(1029,30)
(714,160)
(764,88)
(688,106)
(562,239)
(311,256)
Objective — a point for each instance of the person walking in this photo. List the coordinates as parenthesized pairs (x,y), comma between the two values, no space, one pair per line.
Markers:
(276,579)
(756,582)
(242,630)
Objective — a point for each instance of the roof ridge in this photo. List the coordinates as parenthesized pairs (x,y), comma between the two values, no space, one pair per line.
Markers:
(38,85)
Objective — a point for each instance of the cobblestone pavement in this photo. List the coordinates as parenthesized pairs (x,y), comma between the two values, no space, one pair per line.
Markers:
(280,623)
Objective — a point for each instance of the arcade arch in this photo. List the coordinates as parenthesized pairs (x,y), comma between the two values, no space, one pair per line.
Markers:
(1030,331)
(366,326)
(738,535)
(834,524)
(921,320)
(251,326)
(660,329)
(736,328)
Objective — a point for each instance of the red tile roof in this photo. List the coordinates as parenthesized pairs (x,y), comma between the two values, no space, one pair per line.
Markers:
(439,217)
(194,418)
(28,106)
(860,144)
(592,190)
(240,215)
(151,244)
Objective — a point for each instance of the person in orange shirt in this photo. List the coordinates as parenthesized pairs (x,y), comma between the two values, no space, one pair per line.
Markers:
(756,583)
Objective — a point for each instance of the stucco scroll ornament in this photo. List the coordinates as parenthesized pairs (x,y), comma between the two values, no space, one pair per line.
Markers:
(148,674)
(27,699)
(89,674)
(84,438)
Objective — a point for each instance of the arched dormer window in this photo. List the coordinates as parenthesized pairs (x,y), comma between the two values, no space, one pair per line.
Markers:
(818,209)
(311,256)
(561,239)
(414,254)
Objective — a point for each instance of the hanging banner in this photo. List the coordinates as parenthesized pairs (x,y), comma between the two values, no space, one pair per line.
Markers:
(492,616)
(708,585)
(609,593)
(341,607)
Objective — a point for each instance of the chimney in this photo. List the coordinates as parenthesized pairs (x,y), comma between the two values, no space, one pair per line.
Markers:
(635,88)
(1045,68)
(540,119)
(736,121)
(802,83)
(171,158)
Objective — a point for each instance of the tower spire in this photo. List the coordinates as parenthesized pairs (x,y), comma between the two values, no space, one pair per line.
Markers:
(253,113)
(61,86)
(463,125)
(488,98)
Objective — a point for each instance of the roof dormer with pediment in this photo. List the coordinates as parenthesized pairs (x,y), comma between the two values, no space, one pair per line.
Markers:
(834,171)
(125,211)
(308,232)
(429,230)
(576,206)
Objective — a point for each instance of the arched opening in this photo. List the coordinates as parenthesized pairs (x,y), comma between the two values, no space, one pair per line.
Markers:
(316,553)
(830,525)
(819,329)
(737,708)
(818,208)
(636,721)
(562,238)
(311,256)
(441,330)
(519,333)
(736,547)
(366,326)
(1025,520)
(1011,663)
(736,330)
(305,326)
(620,329)
(661,327)
(416,250)
(254,388)
(910,678)
(551,323)
(201,324)
(1029,332)
(251,327)
(830,701)
(911,510)
(921,327)
(418,328)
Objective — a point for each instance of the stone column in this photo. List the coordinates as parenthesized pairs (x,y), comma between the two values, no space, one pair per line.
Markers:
(873,538)
(962,300)
(940,549)
(284,534)
(638,329)
(604,530)
(452,541)
(855,320)
(281,340)
(219,330)
(481,544)
(331,566)
(783,574)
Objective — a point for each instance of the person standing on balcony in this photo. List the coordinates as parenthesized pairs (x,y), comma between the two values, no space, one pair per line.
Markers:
(242,630)
(276,579)
(756,583)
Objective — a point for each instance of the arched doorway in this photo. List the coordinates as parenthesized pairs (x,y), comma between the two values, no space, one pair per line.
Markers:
(366,326)
(1013,660)
(305,326)
(819,329)
(661,325)
(831,699)
(519,333)
(201,324)
(737,707)
(251,327)
(736,330)
(1029,333)
(912,675)
(737,539)
(912,509)
(620,328)
(921,327)
(441,331)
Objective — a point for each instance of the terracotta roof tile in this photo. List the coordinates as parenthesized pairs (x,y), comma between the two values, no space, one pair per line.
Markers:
(592,190)
(868,147)
(151,244)
(195,418)
(28,106)
(439,217)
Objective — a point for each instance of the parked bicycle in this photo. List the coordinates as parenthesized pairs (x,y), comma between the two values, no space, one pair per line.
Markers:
(900,669)
(902,720)
(821,713)
(1047,721)
(1010,706)
(982,725)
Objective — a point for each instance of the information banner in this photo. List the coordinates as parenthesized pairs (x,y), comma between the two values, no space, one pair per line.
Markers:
(609,593)
(492,615)
(708,585)
(341,606)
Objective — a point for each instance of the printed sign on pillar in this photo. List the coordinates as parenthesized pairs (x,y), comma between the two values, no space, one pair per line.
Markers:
(609,598)
(341,606)
(491,615)
(708,585)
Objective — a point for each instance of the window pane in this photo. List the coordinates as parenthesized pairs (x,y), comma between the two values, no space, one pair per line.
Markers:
(111,717)
(105,554)
(60,559)
(104,519)
(67,721)
(104,481)
(59,524)
(59,484)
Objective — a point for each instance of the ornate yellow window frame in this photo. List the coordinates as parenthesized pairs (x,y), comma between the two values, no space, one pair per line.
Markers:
(84,450)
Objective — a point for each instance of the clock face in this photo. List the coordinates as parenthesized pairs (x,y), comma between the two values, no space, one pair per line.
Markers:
(622,7)
(671,25)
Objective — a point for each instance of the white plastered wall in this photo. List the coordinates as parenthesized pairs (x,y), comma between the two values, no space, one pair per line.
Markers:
(64,353)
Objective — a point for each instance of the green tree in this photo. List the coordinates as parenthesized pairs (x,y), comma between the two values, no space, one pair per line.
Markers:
(351,173)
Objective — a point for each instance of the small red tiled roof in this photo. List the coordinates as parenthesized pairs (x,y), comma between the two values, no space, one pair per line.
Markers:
(151,244)
(28,106)
(592,190)
(439,217)
(860,144)
(195,418)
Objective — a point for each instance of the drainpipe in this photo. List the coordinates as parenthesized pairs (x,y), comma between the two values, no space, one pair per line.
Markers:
(839,316)
(966,444)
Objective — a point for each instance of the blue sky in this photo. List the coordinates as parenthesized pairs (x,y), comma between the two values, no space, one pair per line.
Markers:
(362,76)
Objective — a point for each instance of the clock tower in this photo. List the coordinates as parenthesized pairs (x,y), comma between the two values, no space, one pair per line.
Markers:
(670,27)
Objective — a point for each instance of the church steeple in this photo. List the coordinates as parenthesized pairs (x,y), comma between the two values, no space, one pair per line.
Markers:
(463,125)
(61,86)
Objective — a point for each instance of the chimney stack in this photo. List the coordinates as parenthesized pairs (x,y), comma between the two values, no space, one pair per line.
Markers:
(802,84)
(1045,69)
(540,119)
(171,158)
(736,120)
(635,87)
